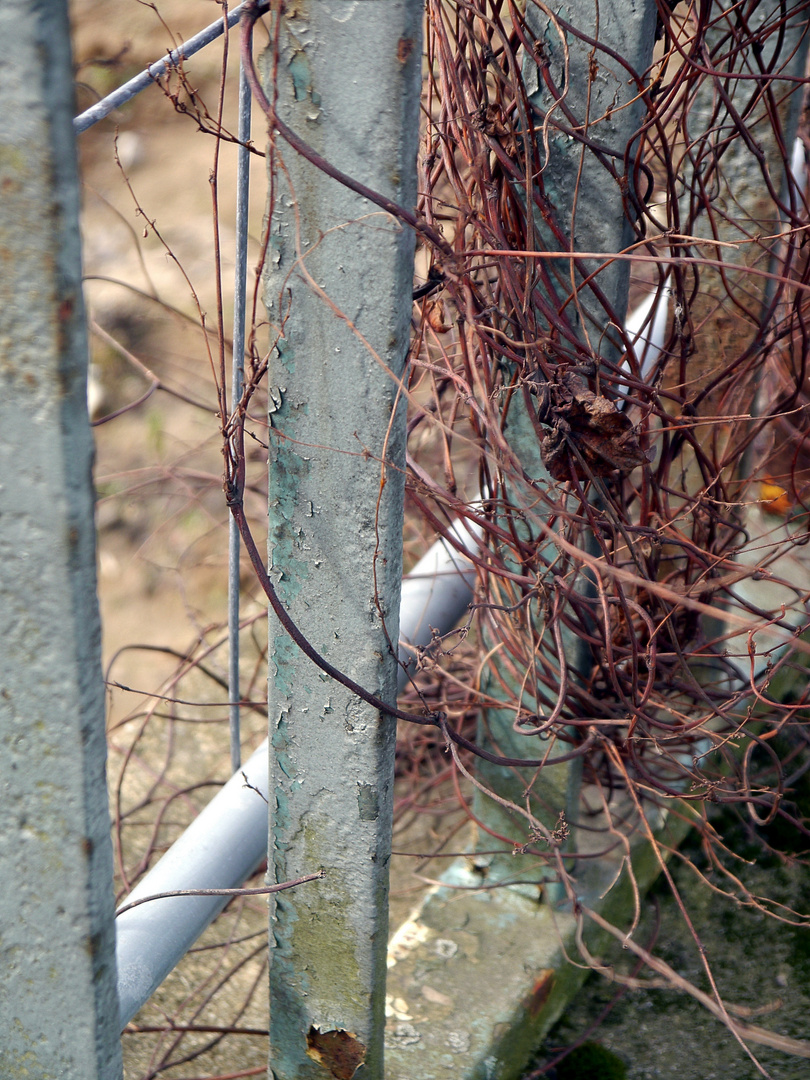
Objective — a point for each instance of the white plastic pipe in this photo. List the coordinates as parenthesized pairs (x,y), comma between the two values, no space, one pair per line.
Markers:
(223,846)
(219,850)
(436,593)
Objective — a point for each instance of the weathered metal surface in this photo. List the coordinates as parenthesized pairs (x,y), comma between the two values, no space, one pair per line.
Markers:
(593,190)
(58,1006)
(338,296)
(589,196)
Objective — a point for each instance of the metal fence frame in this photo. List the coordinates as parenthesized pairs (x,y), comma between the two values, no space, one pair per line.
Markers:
(435,595)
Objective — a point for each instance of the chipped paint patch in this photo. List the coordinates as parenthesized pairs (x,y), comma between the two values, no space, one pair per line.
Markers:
(298,68)
(368,802)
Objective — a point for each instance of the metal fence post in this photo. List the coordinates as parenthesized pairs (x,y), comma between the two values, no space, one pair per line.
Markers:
(338,293)
(592,205)
(58,1005)
(497,956)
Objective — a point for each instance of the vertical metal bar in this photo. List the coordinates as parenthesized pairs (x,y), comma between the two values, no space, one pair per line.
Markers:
(338,291)
(240,289)
(58,1007)
(590,205)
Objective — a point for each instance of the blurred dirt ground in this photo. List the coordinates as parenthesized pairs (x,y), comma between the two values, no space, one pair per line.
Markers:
(161,517)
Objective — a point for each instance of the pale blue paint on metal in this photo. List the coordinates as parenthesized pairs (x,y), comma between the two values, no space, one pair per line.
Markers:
(284,348)
(58,1004)
(344,90)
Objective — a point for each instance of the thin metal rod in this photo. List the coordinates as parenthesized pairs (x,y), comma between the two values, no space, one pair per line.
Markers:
(140,82)
(240,288)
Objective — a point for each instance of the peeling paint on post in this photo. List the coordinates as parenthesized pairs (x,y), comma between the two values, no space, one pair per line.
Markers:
(58,1004)
(339,269)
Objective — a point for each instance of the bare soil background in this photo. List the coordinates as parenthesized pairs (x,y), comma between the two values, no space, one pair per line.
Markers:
(162,521)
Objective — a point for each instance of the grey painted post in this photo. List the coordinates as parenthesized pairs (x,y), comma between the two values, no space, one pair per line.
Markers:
(605,105)
(579,188)
(349,79)
(58,1006)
